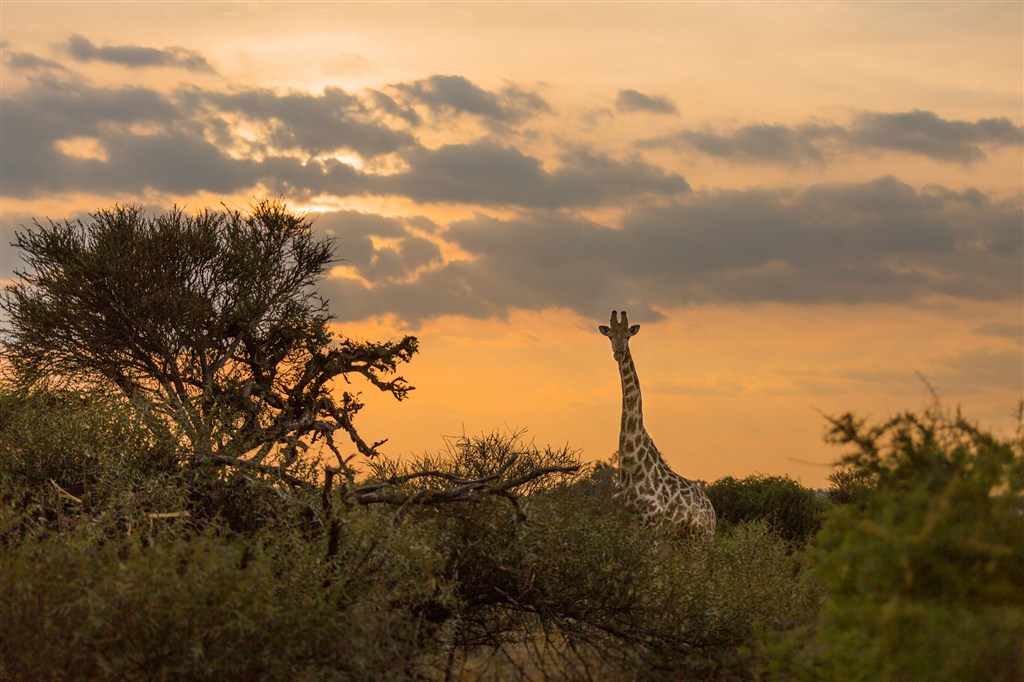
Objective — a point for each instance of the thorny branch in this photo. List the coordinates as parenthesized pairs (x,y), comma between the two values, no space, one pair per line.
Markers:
(387,492)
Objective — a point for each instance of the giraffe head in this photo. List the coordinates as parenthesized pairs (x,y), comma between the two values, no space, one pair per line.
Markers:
(619,332)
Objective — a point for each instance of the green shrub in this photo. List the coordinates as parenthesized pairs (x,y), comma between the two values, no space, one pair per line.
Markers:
(219,606)
(71,439)
(925,581)
(850,485)
(552,580)
(67,458)
(581,589)
(795,512)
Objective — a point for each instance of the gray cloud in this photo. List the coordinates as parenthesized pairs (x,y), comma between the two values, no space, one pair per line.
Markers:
(757,143)
(171,152)
(1013,332)
(388,105)
(50,112)
(916,132)
(487,173)
(923,132)
(82,49)
(447,95)
(632,100)
(396,259)
(979,370)
(25,61)
(139,139)
(881,241)
(314,124)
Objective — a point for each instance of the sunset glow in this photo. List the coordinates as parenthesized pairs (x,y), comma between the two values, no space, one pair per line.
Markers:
(809,208)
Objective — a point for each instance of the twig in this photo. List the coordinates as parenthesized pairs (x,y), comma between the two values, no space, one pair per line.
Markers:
(374,493)
(256,466)
(64,493)
(170,515)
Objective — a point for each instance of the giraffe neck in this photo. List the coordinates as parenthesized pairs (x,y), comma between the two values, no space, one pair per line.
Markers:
(632,428)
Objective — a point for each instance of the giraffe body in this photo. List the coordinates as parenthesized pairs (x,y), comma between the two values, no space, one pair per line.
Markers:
(646,483)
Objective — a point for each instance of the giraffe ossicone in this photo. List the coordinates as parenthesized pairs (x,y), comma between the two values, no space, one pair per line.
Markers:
(646,483)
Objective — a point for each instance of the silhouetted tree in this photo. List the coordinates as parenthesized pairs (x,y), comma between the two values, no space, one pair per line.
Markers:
(208,323)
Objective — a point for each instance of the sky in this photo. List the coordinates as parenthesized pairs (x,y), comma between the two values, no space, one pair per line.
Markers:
(809,208)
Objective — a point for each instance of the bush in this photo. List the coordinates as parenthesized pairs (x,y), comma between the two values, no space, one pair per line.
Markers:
(850,485)
(580,589)
(925,581)
(213,606)
(67,458)
(795,512)
(71,439)
(549,579)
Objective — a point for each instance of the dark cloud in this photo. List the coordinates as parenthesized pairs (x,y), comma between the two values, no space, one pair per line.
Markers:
(757,143)
(881,241)
(387,104)
(487,173)
(447,95)
(924,132)
(632,100)
(188,141)
(25,61)
(379,248)
(51,112)
(916,132)
(313,123)
(147,140)
(82,49)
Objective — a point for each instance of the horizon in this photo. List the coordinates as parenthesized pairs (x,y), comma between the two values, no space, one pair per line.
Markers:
(833,227)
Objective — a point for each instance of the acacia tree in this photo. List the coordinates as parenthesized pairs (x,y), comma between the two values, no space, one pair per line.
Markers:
(209,323)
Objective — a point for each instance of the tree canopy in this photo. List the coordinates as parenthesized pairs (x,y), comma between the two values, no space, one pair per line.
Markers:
(209,323)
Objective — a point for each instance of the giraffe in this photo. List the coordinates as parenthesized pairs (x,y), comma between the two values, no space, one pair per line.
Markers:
(646,483)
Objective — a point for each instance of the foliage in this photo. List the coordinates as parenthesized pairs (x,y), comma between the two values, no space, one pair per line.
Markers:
(851,485)
(925,581)
(214,606)
(794,511)
(207,324)
(69,459)
(129,551)
(569,585)
(469,468)
(548,577)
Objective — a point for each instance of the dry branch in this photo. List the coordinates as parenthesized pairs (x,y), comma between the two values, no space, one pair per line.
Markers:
(385,492)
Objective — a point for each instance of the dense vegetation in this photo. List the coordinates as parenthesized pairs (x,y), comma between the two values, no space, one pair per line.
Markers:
(136,541)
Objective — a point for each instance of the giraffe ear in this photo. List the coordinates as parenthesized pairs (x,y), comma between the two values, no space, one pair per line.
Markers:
(604,330)
(634,329)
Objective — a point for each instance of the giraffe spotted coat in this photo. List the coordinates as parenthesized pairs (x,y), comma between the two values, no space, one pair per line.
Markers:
(646,483)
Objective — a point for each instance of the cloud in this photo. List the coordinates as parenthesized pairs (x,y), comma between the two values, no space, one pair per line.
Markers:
(50,112)
(313,123)
(915,132)
(487,173)
(453,95)
(632,100)
(146,140)
(180,141)
(758,143)
(378,248)
(82,49)
(979,370)
(880,241)
(925,133)
(25,61)
(133,139)
(1013,332)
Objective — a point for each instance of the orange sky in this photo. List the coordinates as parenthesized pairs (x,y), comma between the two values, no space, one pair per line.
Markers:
(803,204)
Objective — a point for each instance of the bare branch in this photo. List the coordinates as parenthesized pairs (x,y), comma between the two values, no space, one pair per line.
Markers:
(382,492)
